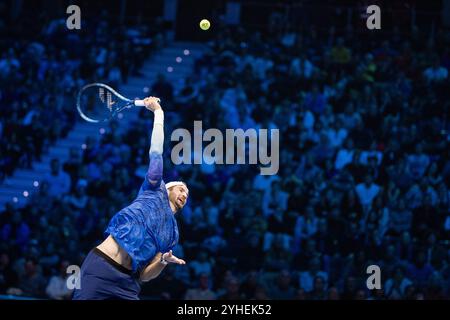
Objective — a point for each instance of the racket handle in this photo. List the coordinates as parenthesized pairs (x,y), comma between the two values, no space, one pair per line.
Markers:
(139,103)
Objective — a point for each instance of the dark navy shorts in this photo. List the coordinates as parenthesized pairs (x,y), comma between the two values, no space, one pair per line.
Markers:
(103,278)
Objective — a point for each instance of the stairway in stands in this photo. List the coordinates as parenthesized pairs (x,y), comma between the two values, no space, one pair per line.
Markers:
(18,188)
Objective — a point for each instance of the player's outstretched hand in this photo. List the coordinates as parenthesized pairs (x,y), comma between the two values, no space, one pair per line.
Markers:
(169,257)
(152,103)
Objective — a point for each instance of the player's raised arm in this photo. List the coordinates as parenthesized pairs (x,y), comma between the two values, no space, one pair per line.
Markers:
(155,169)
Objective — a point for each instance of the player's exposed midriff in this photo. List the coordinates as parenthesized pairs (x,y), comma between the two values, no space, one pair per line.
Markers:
(113,250)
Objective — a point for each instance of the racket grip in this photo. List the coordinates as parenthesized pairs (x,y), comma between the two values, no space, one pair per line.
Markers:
(139,103)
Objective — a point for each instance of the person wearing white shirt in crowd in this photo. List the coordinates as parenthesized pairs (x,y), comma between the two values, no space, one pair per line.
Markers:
(447,224)
(308,121)
(79,199)
(414,196)
(229,102)
(367,154)
(261,65)
(57,286)
(327,117)
(394,287)
(306,279)
(59,182)
(201,265)
(350,117)
(367,191)
(336,134)
(305,226)
(418,162)
(202,292)
(8,63)
(289,38)
(435,73)
(207,211)
(302,67)
(345,155)
(275,200)
(264,182)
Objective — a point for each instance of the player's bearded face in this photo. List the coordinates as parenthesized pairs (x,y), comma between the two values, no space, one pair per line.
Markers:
(178,196)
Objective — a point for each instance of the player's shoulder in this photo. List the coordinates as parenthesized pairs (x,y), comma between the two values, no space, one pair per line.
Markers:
(162,187)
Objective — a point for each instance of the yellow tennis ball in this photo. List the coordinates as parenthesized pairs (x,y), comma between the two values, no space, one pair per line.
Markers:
(204,24)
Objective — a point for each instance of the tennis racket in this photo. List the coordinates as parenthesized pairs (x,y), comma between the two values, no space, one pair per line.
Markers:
(97,102)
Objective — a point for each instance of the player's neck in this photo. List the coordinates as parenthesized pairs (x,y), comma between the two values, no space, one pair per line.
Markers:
(172,206)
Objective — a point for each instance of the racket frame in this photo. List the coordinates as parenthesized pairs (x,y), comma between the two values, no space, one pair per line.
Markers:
(129,102)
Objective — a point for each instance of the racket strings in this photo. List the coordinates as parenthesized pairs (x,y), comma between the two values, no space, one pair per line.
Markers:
(97,103)
(108,100)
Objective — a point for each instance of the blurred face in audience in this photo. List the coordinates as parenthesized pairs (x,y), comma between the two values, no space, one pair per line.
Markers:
(420,296)
(30,267)
(421,259)
(285,279)
(300,294)
(398,276)
(233,286)
(409,291)
(350,284)
(322,227)
(4,260)
(310,245)
(319,284)
(368,180)
(360,295)
(406,237)
(204,281)
(260,293)
(333,294)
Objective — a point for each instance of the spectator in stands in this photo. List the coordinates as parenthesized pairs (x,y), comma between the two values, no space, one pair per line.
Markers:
(435,73)
(395,287)
(57,286)
(307,277)
(59,181)
(282,289)
(203,292)
(367,191)
(32,282)
(8,277)
(232,290)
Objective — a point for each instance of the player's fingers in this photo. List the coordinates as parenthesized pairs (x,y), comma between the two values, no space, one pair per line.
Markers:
(179,261)
(176,260)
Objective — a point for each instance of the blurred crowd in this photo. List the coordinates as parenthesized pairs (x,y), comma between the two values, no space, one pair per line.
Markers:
(364,172)
(47,68)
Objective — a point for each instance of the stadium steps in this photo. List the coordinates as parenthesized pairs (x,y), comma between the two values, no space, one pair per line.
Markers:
(12,189)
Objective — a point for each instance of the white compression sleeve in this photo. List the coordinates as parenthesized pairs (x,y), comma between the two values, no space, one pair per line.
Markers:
(157,140)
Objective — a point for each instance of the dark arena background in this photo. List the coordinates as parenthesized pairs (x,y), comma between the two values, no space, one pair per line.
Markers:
(359,208)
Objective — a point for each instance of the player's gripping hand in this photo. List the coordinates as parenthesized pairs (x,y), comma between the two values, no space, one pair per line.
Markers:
(152,103)
(170,258)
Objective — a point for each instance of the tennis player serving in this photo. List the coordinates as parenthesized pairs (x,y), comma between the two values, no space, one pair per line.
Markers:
(140,237)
